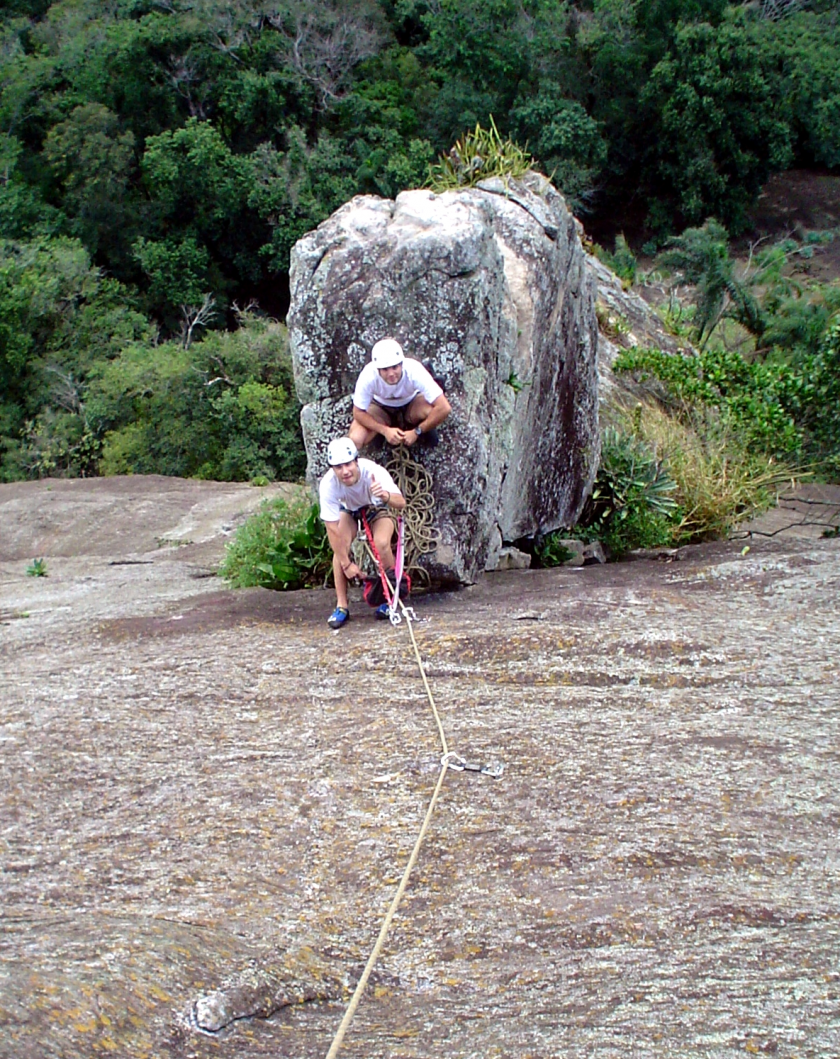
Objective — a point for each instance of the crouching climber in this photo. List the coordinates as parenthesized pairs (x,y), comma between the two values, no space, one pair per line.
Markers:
(396,397)
(351,488)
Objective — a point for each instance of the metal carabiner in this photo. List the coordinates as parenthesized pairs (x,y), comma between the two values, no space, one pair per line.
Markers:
(453,761)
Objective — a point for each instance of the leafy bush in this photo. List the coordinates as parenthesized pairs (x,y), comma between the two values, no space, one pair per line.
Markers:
(704,482)
(223,409)
(622,261)
(807,47)
(743,395)
(59,316)
(784,410)
(810,391)
(719,122)
(548,551)
(632,503)
(564,139)
(283,546)
(298,188)
(86,388)
(177,271)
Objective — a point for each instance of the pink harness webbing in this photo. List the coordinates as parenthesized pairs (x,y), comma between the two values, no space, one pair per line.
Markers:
(392,595)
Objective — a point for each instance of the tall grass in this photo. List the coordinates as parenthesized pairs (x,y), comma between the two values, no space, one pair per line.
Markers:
(719,480)
(477,156)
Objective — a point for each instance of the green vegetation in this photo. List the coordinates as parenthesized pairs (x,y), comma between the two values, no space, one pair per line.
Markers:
(667,479)
(632,503)
(221,408)
(37,568)
(778,391)
(283,546)
(549,551)
(479,155)
(726,425)
(763,296)
(719,480)
(622,261)
(159,160)
(188,145)
(90,389)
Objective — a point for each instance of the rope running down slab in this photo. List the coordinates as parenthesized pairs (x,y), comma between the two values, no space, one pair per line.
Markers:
(445,761)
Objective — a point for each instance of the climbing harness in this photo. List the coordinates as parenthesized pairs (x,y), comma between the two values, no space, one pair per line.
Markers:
(449,760)
(390,593)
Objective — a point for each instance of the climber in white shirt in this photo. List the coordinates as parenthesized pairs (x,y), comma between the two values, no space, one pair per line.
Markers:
(396,397)
(351,487)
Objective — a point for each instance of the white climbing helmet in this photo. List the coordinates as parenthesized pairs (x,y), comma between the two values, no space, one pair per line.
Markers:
(386,353)
(342,450)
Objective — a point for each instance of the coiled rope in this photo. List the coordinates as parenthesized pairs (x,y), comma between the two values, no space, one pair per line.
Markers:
(420,536)
(415,484)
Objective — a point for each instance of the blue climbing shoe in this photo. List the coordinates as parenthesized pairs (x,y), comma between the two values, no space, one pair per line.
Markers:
(382,612)
(340,616)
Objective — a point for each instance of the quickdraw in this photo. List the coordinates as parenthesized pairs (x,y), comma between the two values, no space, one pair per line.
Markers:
(455,762)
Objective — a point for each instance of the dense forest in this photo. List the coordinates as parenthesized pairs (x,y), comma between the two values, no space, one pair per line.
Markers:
(159,158)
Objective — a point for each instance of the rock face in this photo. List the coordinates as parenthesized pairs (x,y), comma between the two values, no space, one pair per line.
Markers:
(625,321)
(490,287)
(208,798)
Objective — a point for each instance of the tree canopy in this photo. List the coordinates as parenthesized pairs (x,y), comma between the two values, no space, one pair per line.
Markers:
(211,134)
(154,153)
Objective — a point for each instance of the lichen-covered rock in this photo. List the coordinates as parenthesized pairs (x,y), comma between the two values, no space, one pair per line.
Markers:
(263,988)
(489,286)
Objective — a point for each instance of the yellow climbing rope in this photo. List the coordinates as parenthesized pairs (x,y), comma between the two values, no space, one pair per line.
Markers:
(445,762)
(419,534)
(420,537)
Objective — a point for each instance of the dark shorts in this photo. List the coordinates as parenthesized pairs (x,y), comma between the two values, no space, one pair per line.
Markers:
(398,413)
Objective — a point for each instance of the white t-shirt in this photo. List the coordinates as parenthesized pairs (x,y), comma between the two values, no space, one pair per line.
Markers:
(336,497)
(370,386)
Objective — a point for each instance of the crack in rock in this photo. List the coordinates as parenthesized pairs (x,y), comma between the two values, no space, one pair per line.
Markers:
(262,991)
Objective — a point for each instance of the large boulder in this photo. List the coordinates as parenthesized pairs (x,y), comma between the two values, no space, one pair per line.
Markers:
(490,287)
